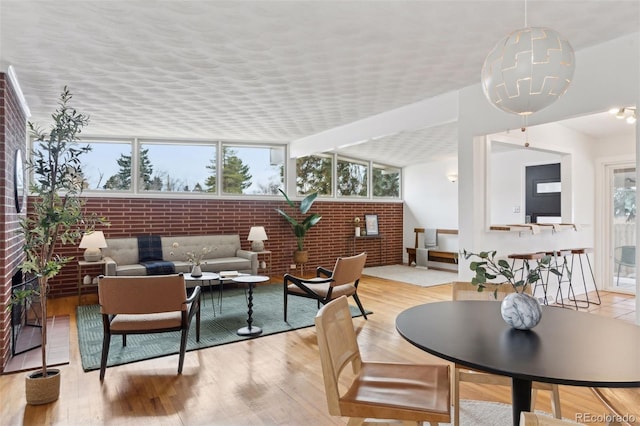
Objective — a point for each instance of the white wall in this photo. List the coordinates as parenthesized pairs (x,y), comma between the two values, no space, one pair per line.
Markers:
(431,200)
(507,182)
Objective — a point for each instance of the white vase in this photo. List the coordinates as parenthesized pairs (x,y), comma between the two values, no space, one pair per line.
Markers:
(521,311)
(357,231)
(196,271)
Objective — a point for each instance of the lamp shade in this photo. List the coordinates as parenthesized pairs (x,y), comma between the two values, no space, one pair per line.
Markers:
(528,70)
(93,242)
(257,235)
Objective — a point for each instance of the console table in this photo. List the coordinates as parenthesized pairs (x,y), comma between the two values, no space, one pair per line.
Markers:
(353,244)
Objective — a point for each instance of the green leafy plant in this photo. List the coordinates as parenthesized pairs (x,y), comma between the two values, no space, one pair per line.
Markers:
(300,228)
(487,268)
(57,216)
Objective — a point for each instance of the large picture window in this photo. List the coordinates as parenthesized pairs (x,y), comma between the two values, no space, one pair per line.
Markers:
(172,167)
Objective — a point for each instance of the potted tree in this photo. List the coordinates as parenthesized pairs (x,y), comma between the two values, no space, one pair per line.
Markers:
(56,217)
(301,256)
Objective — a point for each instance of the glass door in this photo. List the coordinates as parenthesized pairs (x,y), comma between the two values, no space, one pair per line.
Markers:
(622,180)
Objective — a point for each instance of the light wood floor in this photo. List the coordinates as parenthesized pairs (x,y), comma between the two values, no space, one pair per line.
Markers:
(273,380)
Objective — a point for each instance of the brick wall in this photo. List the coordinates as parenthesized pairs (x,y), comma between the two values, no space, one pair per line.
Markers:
(12,137)
(326,241)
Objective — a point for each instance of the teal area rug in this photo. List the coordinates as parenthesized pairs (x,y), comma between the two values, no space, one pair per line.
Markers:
(214,330)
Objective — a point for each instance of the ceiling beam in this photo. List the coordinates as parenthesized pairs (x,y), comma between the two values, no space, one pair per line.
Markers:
(430,112)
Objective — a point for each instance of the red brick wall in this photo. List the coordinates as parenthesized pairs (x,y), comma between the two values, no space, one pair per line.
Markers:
(326,241)
(12,137)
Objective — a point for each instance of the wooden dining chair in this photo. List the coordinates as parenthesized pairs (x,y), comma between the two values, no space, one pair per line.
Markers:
(143,305)
(622,403)
(412,393)
(468,291)
(328,284)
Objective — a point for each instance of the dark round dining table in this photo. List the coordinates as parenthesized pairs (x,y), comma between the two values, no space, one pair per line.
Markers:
(566,347)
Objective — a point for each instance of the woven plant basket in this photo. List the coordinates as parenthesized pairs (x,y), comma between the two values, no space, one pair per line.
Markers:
(301,257)
(42,390)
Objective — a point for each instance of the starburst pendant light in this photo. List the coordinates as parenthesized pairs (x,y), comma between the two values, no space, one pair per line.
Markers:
(528,70)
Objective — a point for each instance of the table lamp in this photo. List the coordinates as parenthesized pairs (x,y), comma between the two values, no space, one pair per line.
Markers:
(257,236)
(93,242)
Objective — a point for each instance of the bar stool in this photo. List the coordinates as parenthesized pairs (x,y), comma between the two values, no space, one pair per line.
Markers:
(562,266)
(525,258)
(584,252)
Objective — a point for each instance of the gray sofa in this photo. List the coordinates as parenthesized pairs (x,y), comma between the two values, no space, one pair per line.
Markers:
(121,255)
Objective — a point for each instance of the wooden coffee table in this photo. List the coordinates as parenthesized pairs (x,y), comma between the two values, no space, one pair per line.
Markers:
(209,278)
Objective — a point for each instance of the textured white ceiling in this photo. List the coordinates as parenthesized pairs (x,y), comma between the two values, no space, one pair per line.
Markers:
(272,71)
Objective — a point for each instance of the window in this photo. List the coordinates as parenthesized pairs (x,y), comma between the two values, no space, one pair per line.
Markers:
(176,167)
(255,170)
(314,174)
(106,166)
(386,181)
(352,178)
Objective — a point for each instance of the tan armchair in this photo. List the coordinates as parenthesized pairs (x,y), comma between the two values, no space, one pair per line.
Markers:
(328,285)
(412,393)
(141,305)
(468,291)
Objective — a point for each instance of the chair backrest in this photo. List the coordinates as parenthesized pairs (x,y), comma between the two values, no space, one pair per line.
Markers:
(467,291)
(623,403)
(338,347)
(625,255)
(142,295)
(348,269)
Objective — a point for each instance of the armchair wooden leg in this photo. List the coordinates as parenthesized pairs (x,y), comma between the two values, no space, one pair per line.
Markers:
(183,348)
(357,299)
(106,341)
(285,302)
(198,325)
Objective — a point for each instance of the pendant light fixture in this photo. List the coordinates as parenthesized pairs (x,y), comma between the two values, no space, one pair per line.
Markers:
(528,70)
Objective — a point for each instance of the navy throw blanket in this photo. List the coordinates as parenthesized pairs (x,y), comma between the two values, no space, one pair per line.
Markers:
(150,255)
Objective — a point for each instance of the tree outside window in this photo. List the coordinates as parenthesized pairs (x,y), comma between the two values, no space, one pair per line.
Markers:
(352,178)
(386,181)
(314,174)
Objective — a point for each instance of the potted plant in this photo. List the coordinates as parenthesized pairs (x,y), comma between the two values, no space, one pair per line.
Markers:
(356,224)
(56,218)
(519,309)
(301,256)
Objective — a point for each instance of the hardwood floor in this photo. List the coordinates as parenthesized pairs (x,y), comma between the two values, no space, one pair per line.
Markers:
(266,381)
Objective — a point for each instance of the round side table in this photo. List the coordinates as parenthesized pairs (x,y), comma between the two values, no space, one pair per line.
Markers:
(251,281)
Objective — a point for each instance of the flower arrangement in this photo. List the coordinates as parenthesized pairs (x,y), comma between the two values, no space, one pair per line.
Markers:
(193,257)
(356,221)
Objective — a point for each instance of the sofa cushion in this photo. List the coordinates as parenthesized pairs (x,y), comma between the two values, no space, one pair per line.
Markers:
(124,251)
(135,269)
(220,245)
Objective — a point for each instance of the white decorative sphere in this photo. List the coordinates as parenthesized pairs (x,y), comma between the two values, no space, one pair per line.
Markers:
(528,70)
(521,311)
